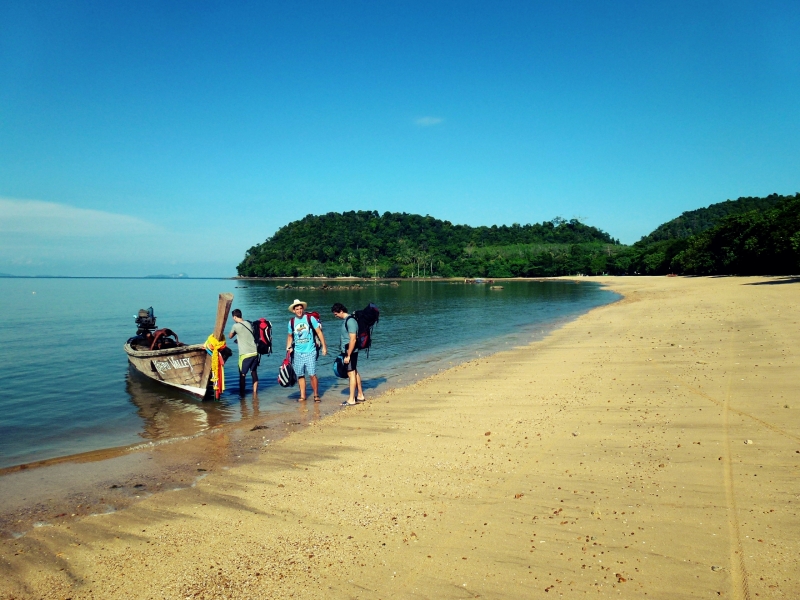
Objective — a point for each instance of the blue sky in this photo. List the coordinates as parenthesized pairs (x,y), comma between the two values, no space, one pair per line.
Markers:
(158,137)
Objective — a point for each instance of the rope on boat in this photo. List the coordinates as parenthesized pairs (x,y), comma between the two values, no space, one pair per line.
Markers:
(217,364)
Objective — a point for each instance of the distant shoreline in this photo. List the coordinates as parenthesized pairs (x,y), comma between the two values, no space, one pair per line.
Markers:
(240,278)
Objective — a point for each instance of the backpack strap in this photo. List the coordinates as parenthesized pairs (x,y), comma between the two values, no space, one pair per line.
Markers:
(313,335)
(345,326)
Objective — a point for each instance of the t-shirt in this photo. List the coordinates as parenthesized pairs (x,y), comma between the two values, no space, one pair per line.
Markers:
(349,326)
(244,337)
(303,336)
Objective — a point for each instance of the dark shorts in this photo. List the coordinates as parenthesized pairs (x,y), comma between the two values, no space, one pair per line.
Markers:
(250,364)
(353,364)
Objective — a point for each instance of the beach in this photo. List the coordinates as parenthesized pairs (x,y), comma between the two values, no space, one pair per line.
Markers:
(649,448)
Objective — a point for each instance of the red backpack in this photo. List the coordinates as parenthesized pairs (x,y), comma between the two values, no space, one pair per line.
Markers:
(262,335)
(286,374)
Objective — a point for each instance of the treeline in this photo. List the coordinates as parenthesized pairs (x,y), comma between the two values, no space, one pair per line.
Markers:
(368,244)
(733,239)
(747,236)
(697,221)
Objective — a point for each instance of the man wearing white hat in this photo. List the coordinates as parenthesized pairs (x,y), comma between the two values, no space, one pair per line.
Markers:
(304,330)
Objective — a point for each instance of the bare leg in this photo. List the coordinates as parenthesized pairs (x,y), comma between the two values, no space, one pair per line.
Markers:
(315,387)
(351,375)
(360,389)
(301,381)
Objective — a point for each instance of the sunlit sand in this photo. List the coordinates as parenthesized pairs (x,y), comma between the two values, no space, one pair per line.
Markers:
(651,448)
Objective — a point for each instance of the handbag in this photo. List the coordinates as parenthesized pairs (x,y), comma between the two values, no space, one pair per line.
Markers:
(339,368)
(286,375)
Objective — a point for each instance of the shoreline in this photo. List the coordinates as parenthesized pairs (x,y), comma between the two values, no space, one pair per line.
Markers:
(609,457)
(115,478)
(144,404)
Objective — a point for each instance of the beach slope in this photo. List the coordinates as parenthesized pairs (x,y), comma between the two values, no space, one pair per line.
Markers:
(650,448)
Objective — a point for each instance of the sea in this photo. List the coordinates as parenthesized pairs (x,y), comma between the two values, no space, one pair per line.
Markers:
(66,386)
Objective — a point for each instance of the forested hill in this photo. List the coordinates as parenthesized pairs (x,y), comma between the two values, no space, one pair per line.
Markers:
(746,236)
(400,244)
(761,241)
(693,222)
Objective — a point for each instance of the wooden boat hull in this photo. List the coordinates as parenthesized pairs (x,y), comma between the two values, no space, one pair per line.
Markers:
(181,367)
(187,368)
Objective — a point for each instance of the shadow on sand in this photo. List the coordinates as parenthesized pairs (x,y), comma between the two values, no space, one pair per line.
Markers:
(778,281)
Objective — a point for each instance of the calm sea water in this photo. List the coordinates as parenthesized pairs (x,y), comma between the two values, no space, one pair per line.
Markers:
(65,384)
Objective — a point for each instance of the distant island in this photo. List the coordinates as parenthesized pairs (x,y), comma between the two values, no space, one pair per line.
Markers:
(367,244)
(173,276)
(747,236)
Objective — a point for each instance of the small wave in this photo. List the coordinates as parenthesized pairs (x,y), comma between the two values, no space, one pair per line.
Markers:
(156,443)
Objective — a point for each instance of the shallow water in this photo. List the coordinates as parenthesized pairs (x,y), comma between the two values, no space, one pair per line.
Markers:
(65,385)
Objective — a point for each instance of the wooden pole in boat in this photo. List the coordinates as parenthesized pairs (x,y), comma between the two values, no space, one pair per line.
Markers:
(223,308)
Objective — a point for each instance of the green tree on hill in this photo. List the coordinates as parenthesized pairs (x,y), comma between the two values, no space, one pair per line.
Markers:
(655,254)
(400,244)
(754,243)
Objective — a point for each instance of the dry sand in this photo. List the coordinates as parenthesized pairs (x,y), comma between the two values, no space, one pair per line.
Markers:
(608,459)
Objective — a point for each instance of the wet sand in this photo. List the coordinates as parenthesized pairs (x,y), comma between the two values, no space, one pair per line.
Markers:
(113,479)
(651,448)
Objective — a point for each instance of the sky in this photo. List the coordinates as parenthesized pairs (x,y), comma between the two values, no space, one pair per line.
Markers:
(142,138)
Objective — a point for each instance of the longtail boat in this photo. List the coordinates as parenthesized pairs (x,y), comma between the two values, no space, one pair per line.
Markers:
(160,356)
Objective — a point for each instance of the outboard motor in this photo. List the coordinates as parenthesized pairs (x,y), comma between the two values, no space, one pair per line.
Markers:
(147,335)
(145,322)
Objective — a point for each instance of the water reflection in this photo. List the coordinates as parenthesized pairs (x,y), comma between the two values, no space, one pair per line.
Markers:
(425,327)
(167,413)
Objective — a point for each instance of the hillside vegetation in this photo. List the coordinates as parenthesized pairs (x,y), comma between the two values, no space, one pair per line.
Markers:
(697,221)
(736,237)
(753,243)
(365,243)
(744,236)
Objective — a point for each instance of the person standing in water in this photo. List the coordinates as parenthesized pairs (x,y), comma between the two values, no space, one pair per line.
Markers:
(349,350)
(248,353)
(304,330)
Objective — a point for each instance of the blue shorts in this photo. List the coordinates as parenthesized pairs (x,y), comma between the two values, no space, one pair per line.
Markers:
(305,364)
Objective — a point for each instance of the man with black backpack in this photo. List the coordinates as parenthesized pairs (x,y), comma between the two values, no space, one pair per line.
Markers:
(348,346)
(248,352)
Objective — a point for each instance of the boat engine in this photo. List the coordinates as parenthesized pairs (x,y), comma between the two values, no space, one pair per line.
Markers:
(145,322)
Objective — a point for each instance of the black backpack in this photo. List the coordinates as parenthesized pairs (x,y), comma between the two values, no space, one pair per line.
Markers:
(366,318)
(262,335)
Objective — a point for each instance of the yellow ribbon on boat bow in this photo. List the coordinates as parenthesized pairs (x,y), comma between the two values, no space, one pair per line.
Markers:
(217,364)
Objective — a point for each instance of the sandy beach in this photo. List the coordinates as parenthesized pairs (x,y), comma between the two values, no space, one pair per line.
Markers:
(650,448)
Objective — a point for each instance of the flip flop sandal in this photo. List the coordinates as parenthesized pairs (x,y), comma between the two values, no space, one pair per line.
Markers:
(317,399)
(346,403)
